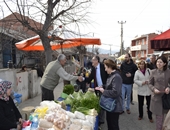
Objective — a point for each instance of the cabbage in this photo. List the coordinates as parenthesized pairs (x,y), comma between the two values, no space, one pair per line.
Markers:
(69,100)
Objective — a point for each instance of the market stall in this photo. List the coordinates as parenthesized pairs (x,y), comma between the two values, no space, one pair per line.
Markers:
(73,110)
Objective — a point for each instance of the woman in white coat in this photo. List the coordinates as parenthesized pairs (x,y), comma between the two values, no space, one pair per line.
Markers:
(141,78)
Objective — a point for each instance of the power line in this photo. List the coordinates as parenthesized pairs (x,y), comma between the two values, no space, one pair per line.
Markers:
(141,12)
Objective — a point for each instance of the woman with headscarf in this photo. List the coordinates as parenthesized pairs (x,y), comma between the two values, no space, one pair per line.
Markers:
(10,117)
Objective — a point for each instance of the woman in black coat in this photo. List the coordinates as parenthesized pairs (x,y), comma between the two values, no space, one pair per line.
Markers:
(10,117)
(112,89)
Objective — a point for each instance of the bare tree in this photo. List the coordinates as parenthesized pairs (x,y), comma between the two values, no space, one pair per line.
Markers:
(50,13)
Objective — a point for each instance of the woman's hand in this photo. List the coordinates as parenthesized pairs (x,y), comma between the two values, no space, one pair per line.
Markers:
(143,83)
(156,91)
(167,90)
(19,127)
(101,89)
(21,121)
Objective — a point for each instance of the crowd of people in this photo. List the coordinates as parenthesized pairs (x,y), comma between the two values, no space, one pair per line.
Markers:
(152,78)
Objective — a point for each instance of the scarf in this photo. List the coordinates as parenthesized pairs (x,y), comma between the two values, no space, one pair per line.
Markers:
(143,71)
(4,85)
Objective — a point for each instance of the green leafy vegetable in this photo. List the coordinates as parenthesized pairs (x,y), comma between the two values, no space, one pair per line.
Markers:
(69,100)
(68,89)
(87,111)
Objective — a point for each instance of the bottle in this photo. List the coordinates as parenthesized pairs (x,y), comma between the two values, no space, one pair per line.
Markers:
(34,124)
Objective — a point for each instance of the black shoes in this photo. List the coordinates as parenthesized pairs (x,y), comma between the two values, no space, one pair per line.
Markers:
(132,103)
(122,112)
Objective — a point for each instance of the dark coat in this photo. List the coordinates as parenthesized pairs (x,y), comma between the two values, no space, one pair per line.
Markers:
(113,89)
(128,68)
(159,80)
(151,66)
(92,75)
(9,114)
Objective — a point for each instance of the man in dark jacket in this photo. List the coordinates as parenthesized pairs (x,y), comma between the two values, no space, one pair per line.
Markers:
(99,75)
(128,69)
(152,64)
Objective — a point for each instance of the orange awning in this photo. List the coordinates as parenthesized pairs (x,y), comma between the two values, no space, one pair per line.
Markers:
(35,44)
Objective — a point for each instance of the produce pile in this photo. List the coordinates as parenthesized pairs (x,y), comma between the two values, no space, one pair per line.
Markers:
(53,117)
(86,103)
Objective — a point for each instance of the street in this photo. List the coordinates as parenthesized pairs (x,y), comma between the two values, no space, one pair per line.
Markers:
(126,121)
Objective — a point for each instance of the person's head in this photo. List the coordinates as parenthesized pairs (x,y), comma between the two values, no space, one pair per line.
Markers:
(95,61)
(152,59)
(5,87)
(110,65)
(142,65)
(24,68)
(161,63)
(62,59)
(104,60)
(127,57)
(168,58)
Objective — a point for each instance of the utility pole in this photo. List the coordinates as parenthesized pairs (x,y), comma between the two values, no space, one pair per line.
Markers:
(121,45)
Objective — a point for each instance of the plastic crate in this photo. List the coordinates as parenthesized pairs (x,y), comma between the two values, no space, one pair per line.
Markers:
(60,99)
(96,123)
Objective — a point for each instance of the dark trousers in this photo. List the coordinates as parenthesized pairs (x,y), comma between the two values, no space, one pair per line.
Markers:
(112,120)
(47,94)
(141,103)
(82,85)
(101,116)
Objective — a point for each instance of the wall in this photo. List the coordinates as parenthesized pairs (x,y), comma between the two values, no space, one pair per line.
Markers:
(25,83)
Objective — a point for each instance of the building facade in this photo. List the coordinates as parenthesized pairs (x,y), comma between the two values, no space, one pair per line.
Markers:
(12,31)
(141,46)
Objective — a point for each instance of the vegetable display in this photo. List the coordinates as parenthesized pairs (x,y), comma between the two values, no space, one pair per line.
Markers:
(78,100)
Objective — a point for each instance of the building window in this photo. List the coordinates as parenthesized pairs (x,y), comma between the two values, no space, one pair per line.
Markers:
(142,53)
(137,53)
(143,41)
(137,42)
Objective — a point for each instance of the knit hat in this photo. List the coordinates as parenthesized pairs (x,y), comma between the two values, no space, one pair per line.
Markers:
(147,60)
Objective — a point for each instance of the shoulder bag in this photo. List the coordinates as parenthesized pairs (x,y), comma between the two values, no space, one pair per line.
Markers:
(107,103)
(166,101)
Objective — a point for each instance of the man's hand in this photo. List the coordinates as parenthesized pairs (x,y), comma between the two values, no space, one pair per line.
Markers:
(80,78)
(128,74)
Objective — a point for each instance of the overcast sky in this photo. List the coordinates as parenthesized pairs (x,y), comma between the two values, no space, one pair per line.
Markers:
(141,16)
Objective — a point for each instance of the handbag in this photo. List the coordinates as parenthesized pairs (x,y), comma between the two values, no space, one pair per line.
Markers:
(166,101)
(107,103)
